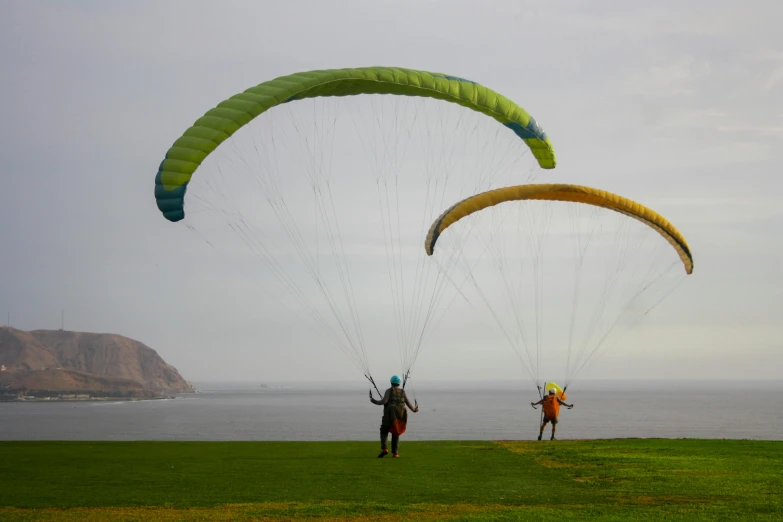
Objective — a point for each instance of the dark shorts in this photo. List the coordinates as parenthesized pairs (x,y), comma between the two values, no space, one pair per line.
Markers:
(552,420)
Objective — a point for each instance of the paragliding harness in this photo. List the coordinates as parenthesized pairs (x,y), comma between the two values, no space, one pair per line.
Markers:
(397,427)
(404,382)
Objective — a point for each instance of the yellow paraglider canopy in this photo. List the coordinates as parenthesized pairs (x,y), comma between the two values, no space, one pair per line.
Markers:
(562,192)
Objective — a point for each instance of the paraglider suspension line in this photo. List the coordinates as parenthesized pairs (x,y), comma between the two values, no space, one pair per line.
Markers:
(405,378)
(541,419)
(369,378)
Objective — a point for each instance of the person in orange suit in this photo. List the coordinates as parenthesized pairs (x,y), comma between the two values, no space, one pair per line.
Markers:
(551,403)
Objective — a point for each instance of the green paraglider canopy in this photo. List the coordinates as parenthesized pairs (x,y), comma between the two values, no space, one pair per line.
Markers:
(218,124)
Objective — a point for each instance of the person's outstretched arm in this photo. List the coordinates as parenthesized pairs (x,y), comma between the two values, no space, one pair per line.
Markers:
(534,404)
(569,406)
(382,401)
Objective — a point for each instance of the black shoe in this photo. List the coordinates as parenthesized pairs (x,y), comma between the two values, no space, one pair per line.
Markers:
(553,438)
(383,453)
(539,437)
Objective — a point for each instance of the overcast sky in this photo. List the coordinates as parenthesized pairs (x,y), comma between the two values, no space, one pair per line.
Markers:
(678,105)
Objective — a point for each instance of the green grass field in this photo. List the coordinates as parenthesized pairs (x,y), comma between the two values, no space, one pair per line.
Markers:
(636,479)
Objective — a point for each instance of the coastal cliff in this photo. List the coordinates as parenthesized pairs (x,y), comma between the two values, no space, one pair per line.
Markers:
(56,361)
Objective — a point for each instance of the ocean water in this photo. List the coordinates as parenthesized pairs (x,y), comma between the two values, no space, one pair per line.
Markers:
(467,411)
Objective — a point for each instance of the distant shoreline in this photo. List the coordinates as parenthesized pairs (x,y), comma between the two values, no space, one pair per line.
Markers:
(85,399)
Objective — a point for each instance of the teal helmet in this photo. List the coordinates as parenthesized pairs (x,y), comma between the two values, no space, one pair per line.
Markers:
(396,379)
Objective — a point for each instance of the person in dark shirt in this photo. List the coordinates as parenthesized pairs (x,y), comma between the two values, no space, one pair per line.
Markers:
(395,416)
